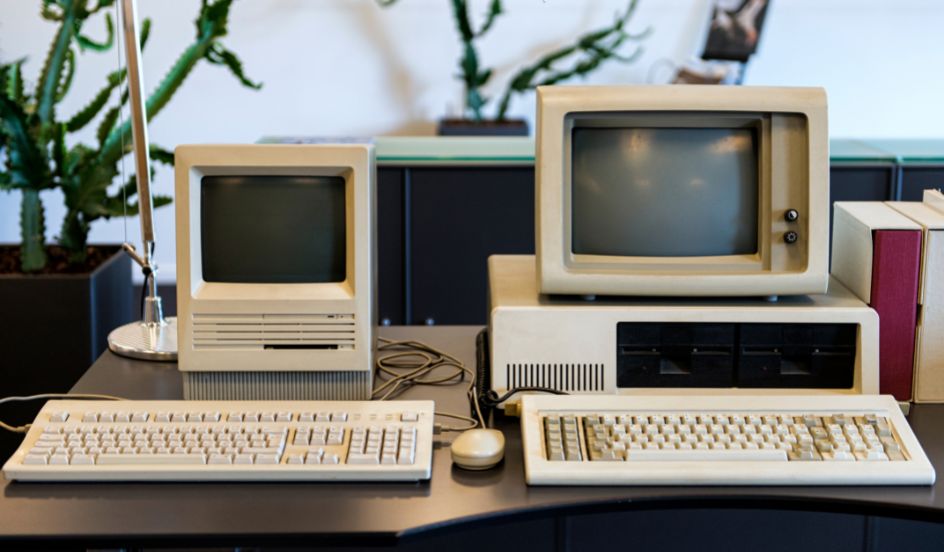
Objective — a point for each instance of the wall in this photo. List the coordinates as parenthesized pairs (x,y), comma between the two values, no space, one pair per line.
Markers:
(348,67)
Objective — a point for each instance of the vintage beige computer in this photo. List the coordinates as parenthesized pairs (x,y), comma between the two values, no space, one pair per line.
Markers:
(668,219)
(276,269)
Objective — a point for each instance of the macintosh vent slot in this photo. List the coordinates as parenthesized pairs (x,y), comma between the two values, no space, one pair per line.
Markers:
(273,331)
(562,377)
(331,347)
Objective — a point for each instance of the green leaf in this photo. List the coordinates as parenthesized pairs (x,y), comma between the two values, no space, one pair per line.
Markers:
(68,73)
(59,149)
(145,32)
(87,113)
(587,53)
(51,11)
(483,77)
(469,65)
(230,60)
(107,124)
(13,81)
(32,232)
(87,43)
(460,11)
(161,155)
(50,80)
(25,161)
(494,10)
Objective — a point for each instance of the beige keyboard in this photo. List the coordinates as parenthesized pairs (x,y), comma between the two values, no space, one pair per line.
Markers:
(227,440)
(720,440)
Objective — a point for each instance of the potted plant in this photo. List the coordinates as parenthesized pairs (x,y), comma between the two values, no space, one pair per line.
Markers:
(579,58)
(60,301)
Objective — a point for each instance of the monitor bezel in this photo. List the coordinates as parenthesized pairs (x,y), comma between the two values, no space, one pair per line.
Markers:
(798,123)
(351,162)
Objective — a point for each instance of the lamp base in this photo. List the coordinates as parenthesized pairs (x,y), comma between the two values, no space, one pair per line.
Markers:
(146,341)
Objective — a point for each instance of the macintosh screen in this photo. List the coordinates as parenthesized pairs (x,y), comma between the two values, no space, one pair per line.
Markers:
(664,192)
(273,229)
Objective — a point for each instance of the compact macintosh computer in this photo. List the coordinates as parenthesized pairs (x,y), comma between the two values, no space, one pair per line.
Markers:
(680,295)
(276,268)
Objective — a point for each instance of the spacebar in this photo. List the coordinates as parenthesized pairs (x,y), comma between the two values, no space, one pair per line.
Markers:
(151,459)
(727,455)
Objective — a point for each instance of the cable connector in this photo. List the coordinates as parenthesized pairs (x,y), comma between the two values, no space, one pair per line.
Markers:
(512,409)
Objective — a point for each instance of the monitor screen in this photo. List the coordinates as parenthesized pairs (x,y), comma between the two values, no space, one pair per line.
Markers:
(664,192)
(273,229)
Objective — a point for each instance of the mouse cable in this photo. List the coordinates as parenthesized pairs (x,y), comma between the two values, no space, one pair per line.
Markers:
(410,363)
(492,399)
(77,396)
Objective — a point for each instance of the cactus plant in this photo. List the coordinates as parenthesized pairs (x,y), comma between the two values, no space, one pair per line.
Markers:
(33,139)
(583,56)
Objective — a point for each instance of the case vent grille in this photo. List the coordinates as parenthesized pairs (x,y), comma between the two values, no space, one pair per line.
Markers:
(268,386)
(562,377)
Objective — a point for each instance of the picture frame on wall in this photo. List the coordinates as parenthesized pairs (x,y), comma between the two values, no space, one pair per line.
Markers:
(735,29)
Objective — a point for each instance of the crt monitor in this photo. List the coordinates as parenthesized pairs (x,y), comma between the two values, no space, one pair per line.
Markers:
(275,262)
(682,191)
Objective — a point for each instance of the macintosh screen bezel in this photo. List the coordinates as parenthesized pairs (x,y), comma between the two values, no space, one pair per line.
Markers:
(758,123)
(293,261)
(206,290)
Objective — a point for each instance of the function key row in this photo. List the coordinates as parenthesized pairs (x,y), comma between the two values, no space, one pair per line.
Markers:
(283,416)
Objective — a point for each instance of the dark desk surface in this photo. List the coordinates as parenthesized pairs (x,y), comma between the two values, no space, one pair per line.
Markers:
(162,514)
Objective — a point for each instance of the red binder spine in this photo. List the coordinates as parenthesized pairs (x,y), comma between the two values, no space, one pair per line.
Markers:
(896,263)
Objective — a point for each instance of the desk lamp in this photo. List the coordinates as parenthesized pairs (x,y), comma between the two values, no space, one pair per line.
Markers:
(154,337)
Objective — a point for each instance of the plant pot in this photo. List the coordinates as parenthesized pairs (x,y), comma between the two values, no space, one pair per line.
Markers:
(469,127)
(53,327)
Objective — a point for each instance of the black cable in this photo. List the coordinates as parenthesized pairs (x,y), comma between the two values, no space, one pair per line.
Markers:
(491,398)
(488,398)
(148,274)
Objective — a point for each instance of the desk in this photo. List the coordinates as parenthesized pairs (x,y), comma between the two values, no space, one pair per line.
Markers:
(459,510)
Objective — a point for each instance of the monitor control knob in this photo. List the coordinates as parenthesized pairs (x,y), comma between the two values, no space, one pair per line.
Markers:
(791,215)
(790,237)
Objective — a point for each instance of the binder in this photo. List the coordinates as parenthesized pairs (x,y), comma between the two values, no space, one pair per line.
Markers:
(929,344)
(877,254)
(934,199)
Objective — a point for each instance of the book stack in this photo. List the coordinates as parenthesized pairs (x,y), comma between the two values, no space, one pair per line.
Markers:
(891,255)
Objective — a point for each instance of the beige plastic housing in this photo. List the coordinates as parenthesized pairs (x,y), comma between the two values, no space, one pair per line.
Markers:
(535,339)
(227,330)
(793,172)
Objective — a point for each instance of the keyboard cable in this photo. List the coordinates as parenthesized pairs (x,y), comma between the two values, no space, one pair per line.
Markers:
(45,396)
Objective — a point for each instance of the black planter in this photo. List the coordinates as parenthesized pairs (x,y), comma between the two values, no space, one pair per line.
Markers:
(469,127)
(52,327)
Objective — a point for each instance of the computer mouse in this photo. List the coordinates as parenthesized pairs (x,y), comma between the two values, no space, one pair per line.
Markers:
(478,449)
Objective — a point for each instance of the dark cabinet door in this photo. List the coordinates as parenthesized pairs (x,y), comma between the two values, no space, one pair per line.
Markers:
(390,253)
(915,180)
(458,216)
(860,183)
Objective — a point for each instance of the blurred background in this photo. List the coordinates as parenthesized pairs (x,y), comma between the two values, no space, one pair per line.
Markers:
(352,68)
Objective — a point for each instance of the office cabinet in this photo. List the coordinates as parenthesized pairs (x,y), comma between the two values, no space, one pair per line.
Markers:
(917,178)
(391,298)
(458,216)
(861,182)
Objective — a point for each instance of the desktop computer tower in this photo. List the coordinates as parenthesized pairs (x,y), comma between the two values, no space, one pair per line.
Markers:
(797,345)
